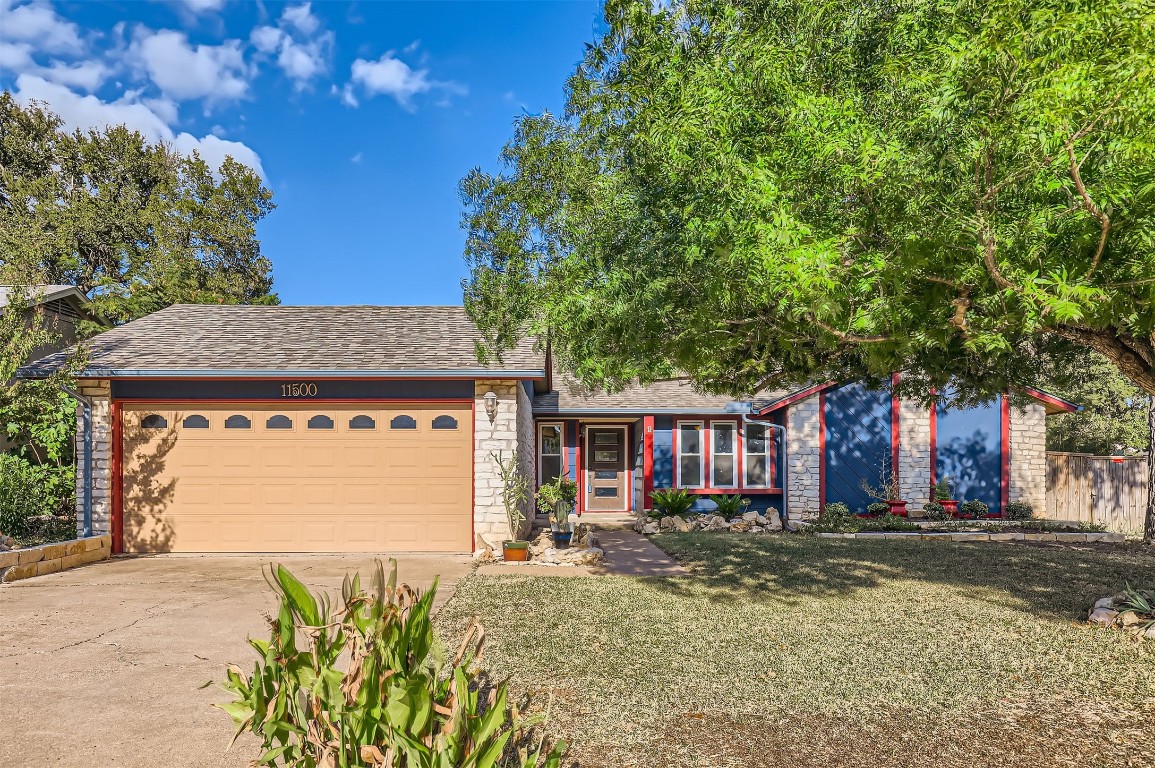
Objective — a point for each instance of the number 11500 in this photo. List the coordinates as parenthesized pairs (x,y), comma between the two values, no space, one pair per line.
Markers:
(300,389)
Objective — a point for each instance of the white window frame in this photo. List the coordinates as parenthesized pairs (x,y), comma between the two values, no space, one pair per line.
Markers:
(541,426)
(701,454)
(746,457)
(733,426)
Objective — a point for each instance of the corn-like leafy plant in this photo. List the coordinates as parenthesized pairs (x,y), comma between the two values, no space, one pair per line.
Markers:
(671,501)
(1142,602)
(729,505)
(395,703)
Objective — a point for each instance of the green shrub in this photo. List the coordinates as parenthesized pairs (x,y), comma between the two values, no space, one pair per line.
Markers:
(834,518)
(671,501)
(362,685)
(26,492)
(877,508)
(729,505)
(1142,602)
(932,510)
(973,509)
(888,522)
(942,489)
(1020,510)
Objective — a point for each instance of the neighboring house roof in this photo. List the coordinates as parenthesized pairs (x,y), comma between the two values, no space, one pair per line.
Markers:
(46,293)
(254,341)
(1052,403)
(674,396)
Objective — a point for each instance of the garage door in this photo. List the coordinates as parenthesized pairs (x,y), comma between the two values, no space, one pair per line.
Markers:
(297,478)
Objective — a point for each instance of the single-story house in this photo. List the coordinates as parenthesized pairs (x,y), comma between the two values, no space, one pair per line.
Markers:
(300,429)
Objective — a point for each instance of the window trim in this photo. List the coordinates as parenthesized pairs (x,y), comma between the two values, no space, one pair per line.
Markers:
(767,454)
(541,425)
(163,421)
(292,423)
(331,426)
(739,445)
(349,423)
(701,454)
(185,425)
(409,426)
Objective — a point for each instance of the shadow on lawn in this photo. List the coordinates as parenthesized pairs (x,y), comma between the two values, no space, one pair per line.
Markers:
(1053,580)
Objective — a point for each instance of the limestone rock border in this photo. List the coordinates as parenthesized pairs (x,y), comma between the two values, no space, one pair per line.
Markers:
(25,563)
(1094,536)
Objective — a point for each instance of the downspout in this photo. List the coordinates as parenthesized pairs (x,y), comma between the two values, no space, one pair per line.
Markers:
(784,515)
(86,470)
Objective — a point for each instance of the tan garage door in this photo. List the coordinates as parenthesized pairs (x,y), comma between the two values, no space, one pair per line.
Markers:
(297,478)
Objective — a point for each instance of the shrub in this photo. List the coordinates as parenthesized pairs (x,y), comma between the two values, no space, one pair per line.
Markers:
(888,522)
(515,492)
(730,505)
(672,501)
(973,508)
(25,493)
(877,508)
(834,518)
(1142,602)
(942,489)
(1020,510)
(932,510)
(365,687)
(557,500)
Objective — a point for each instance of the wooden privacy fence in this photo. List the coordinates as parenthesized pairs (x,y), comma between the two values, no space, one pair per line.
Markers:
(1098,489)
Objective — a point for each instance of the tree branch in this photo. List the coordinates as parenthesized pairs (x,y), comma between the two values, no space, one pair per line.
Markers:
(843,336)
(1089,204)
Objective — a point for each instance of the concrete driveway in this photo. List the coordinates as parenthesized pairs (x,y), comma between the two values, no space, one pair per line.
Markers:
(102,665)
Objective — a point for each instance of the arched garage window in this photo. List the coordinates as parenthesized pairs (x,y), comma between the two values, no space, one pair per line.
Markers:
(320,421)
(279,422)
(445,422)
(195,421)
(153,421)
(403,422)
(237,421)
(362,422)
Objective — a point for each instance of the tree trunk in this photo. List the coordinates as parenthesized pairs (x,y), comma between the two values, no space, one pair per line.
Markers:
(1149,525)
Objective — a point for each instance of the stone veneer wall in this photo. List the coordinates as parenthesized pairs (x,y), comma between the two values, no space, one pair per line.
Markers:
(914,453)
(51,558)
(101,394)
(802,458)
(511,432)
(1028,438)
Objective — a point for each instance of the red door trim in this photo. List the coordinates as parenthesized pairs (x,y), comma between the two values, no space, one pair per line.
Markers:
(647,460)
(821,450)
(895,433)
(1005,495)
(933,446)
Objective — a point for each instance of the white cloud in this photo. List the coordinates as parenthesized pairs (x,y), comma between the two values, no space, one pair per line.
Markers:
(38,23)
(151,118)
(300,62)
(17,58)
(357,158)
(301,17)
(184,71)
(266,39)
(200,6)
(391,76)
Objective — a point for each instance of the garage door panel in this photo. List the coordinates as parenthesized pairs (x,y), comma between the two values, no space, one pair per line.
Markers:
(209,488)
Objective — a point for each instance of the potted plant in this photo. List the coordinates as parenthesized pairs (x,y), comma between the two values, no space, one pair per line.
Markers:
(942,494)
(973,509)
(557,499)
(888,493)
(514,495)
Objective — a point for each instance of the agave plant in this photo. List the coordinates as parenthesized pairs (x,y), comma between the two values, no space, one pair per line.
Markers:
(1142,602)
(395,704)
(729,505)
(672,501)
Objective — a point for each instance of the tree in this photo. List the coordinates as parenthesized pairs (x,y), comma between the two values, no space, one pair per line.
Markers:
(133,223)
(759,193)
(1114,415)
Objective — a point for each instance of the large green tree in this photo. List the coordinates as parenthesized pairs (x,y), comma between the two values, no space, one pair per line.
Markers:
(131,222)
(767,192)
(1114,415)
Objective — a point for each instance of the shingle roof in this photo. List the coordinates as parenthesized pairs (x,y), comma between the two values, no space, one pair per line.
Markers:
(672,396)
(193,339)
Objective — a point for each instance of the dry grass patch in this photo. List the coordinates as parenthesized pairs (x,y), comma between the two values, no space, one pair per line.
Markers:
(780,650)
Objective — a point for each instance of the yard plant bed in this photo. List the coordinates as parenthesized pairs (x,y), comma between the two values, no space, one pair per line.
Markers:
(808,651)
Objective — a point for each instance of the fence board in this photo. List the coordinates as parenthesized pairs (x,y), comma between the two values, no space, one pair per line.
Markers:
(1087,488)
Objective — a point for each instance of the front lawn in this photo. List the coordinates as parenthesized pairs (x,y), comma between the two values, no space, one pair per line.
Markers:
(789,650)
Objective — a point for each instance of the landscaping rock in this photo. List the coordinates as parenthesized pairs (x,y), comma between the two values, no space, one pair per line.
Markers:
(740,527)
(682,525)
(571,556)
(650,528)
(1150,633)
(1104,616)
(667,523)
(750,517)
(1129,619)
(7,543)
(1105,602)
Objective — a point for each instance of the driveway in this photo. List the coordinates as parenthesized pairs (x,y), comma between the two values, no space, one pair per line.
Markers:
(102,665)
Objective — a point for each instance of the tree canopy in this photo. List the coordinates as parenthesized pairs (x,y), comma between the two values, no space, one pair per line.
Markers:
(761,193)
(132,223)
(1114,415)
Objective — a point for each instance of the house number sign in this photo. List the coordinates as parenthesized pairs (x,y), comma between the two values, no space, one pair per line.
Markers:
(299,389)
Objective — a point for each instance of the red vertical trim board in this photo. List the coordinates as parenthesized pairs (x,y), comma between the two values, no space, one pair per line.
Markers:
(579,470)
(933,445)
(117,484)
(473,486)
(895,431)
(1006,453)
(647,460)
(821,451)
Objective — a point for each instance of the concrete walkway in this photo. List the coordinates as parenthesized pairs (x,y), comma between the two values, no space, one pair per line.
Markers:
(627,554)
(102,665)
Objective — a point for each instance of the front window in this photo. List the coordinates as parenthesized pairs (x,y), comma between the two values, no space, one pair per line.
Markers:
(690,454)
(549,467)
(723,454)
(757,459)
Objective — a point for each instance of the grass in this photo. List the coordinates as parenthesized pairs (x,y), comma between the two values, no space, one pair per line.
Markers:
(805,651)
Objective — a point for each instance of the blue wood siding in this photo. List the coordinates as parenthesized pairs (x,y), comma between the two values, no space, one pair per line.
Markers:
(857,443)
(663,451)
(970,452)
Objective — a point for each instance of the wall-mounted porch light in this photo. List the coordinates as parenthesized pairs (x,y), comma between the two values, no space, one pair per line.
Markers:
(490,399)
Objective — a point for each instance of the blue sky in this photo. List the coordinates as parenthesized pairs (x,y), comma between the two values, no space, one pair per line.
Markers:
(361,116)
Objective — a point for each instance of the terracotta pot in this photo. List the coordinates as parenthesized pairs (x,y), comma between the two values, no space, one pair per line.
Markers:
(896,507)
(950,505)
(515,551)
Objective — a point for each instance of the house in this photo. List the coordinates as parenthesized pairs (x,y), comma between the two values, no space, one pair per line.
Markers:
(59,307)
(297,429)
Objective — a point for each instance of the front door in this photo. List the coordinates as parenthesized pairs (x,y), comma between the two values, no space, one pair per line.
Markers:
(607,481)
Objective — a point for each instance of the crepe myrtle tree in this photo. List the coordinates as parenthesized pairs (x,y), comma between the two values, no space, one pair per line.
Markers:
(761,194)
